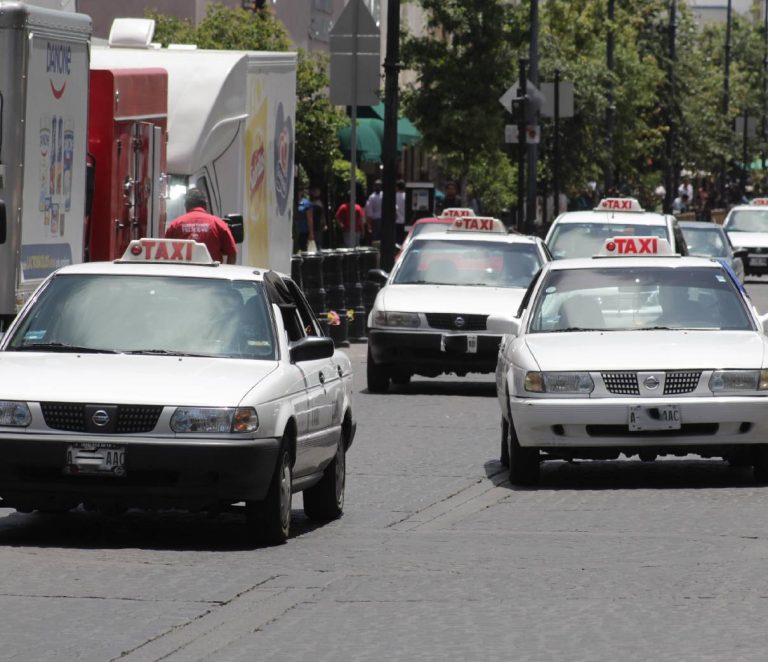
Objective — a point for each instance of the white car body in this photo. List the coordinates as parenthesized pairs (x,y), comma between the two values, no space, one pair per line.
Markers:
(306,404)
(597,424)
(451,335)
(755,243)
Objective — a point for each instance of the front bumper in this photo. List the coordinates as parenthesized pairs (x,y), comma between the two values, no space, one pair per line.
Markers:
(756,263)
(159,473)
(432,353)
(604,423)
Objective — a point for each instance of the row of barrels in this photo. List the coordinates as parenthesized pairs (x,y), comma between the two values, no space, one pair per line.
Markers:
(337,289)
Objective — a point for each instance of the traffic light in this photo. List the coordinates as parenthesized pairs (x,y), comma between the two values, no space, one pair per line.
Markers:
(517,109)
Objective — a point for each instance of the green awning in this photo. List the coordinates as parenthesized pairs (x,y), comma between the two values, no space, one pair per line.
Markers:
(368,127)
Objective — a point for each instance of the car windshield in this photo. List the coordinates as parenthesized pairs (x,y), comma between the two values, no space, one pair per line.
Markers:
(748,220)
(428,228)
(638,299)
(149,314)
(707,241)
(466,262)
(586,239)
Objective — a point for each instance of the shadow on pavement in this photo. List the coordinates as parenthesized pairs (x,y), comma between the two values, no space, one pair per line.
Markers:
(460,387)
(666,474)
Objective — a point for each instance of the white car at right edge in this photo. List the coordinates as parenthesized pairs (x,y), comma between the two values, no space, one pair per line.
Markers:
(634,351)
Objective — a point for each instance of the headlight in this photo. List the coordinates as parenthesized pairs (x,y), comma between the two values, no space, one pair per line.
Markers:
(14,414)
(214,419)
(388,318)
(738,380)
(559,382)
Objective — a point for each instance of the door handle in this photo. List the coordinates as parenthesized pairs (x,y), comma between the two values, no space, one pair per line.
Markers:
(340,370)
(322,378)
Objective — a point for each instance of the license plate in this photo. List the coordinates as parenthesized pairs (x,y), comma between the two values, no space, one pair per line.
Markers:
(100,459)
(472,344)
(664,417)
(758,261)
(459,343)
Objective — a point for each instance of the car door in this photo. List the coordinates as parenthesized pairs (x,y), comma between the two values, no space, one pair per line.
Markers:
(317,445)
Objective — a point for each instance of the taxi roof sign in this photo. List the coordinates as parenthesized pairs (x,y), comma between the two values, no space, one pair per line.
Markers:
(187,251)
(457,212)
(636,247)
(478,224)
(759,202)
(620,204)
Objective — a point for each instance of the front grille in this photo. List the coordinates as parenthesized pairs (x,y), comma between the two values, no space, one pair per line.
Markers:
(621,383)
(70,417)
(685,381)
(448,321)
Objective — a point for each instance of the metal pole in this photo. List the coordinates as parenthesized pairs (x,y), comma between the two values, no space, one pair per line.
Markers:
(726,92)
(521,139)
(610,109)
(556,173)
(670,174)
(533,148)
(744,153)
(389,146)
(765,82)
(351,239)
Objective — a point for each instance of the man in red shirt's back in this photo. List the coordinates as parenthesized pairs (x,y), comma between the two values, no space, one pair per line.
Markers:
(206,228)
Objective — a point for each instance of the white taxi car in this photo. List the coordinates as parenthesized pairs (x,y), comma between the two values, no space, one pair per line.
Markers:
(430,317)
(582,233)
(747,228)
(647,354)
(167,380)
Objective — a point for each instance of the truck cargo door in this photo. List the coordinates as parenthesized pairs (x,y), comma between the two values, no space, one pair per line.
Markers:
(137,187)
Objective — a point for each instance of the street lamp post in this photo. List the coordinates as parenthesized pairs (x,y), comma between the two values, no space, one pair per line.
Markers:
(610,108)
(726,90)
(670,176)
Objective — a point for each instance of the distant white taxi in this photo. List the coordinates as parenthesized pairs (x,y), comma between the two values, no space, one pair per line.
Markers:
(747,228)
(582,233)
(430,317)
(167,380)
(644,353)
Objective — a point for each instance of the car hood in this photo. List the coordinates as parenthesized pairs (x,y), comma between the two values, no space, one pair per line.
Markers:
(647,350)
(450,299)
(748,239)
(124,378)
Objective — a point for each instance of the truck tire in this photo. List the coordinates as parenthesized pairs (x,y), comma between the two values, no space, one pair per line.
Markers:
(378,375)
(524,463)
(325,501)
(269,521)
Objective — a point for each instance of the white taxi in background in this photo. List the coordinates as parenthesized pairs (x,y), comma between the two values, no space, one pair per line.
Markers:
(167,380)
(635,351)
(430,317)
(582,233)
(747,228)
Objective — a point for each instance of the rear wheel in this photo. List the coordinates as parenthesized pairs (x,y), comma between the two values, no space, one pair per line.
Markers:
(325,501)
(270,520)
(504,459)
(760,465)
(523,462)
(401,377)
(378,375)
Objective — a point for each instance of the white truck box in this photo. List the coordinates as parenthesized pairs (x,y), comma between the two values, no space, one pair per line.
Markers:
(43,134)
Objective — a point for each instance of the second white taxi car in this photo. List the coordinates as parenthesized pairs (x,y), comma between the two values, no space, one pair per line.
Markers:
(644,354)
(167,380)
(430,317)
(747,228)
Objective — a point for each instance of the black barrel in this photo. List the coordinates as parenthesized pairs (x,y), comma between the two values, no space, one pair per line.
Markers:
(332,268)
(340,330)
(350,263)
(369,259)
(313,284)
(296,261)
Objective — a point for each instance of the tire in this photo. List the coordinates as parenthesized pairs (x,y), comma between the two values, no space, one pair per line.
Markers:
(401,378)
(523,462)
(647,456)
(378,375)
(325,501)
(504,459)
(760,465)
(270,520)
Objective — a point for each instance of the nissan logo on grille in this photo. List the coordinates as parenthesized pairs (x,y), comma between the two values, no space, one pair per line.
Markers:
(651,382)
(100,418)
(459,322)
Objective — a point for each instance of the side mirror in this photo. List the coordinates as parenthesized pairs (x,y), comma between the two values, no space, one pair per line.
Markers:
(377,276)
(503,325)
(3,223)
(740,253)
(311,348)
(235,223)
(764,323)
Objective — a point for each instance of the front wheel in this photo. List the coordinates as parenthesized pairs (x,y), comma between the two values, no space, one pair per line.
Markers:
(504,459)
(325,501)
(524,464)
(270,520)
(377,374)
(760,465)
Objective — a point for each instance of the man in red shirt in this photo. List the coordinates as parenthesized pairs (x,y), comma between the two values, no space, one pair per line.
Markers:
(342,216)
(206,228)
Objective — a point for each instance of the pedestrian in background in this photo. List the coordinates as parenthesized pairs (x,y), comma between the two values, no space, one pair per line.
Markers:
(206,228)
(301,234)
(373,212)
(451,197)
(342,216)
(318,226)
(400,208)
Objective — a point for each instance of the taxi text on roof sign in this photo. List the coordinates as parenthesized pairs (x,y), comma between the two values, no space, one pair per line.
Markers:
(619,204)
(759,202)
(478,224)
(167,250)
(635,246)
(456,212)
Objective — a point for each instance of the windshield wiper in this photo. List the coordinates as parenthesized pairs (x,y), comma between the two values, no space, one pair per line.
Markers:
(576,328)
(167,352)
(61,347)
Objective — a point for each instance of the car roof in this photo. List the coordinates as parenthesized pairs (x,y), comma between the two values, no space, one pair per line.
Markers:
(619,262)
(701,225)
(444,221)
(489,237)
(176,270)
(591,216)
